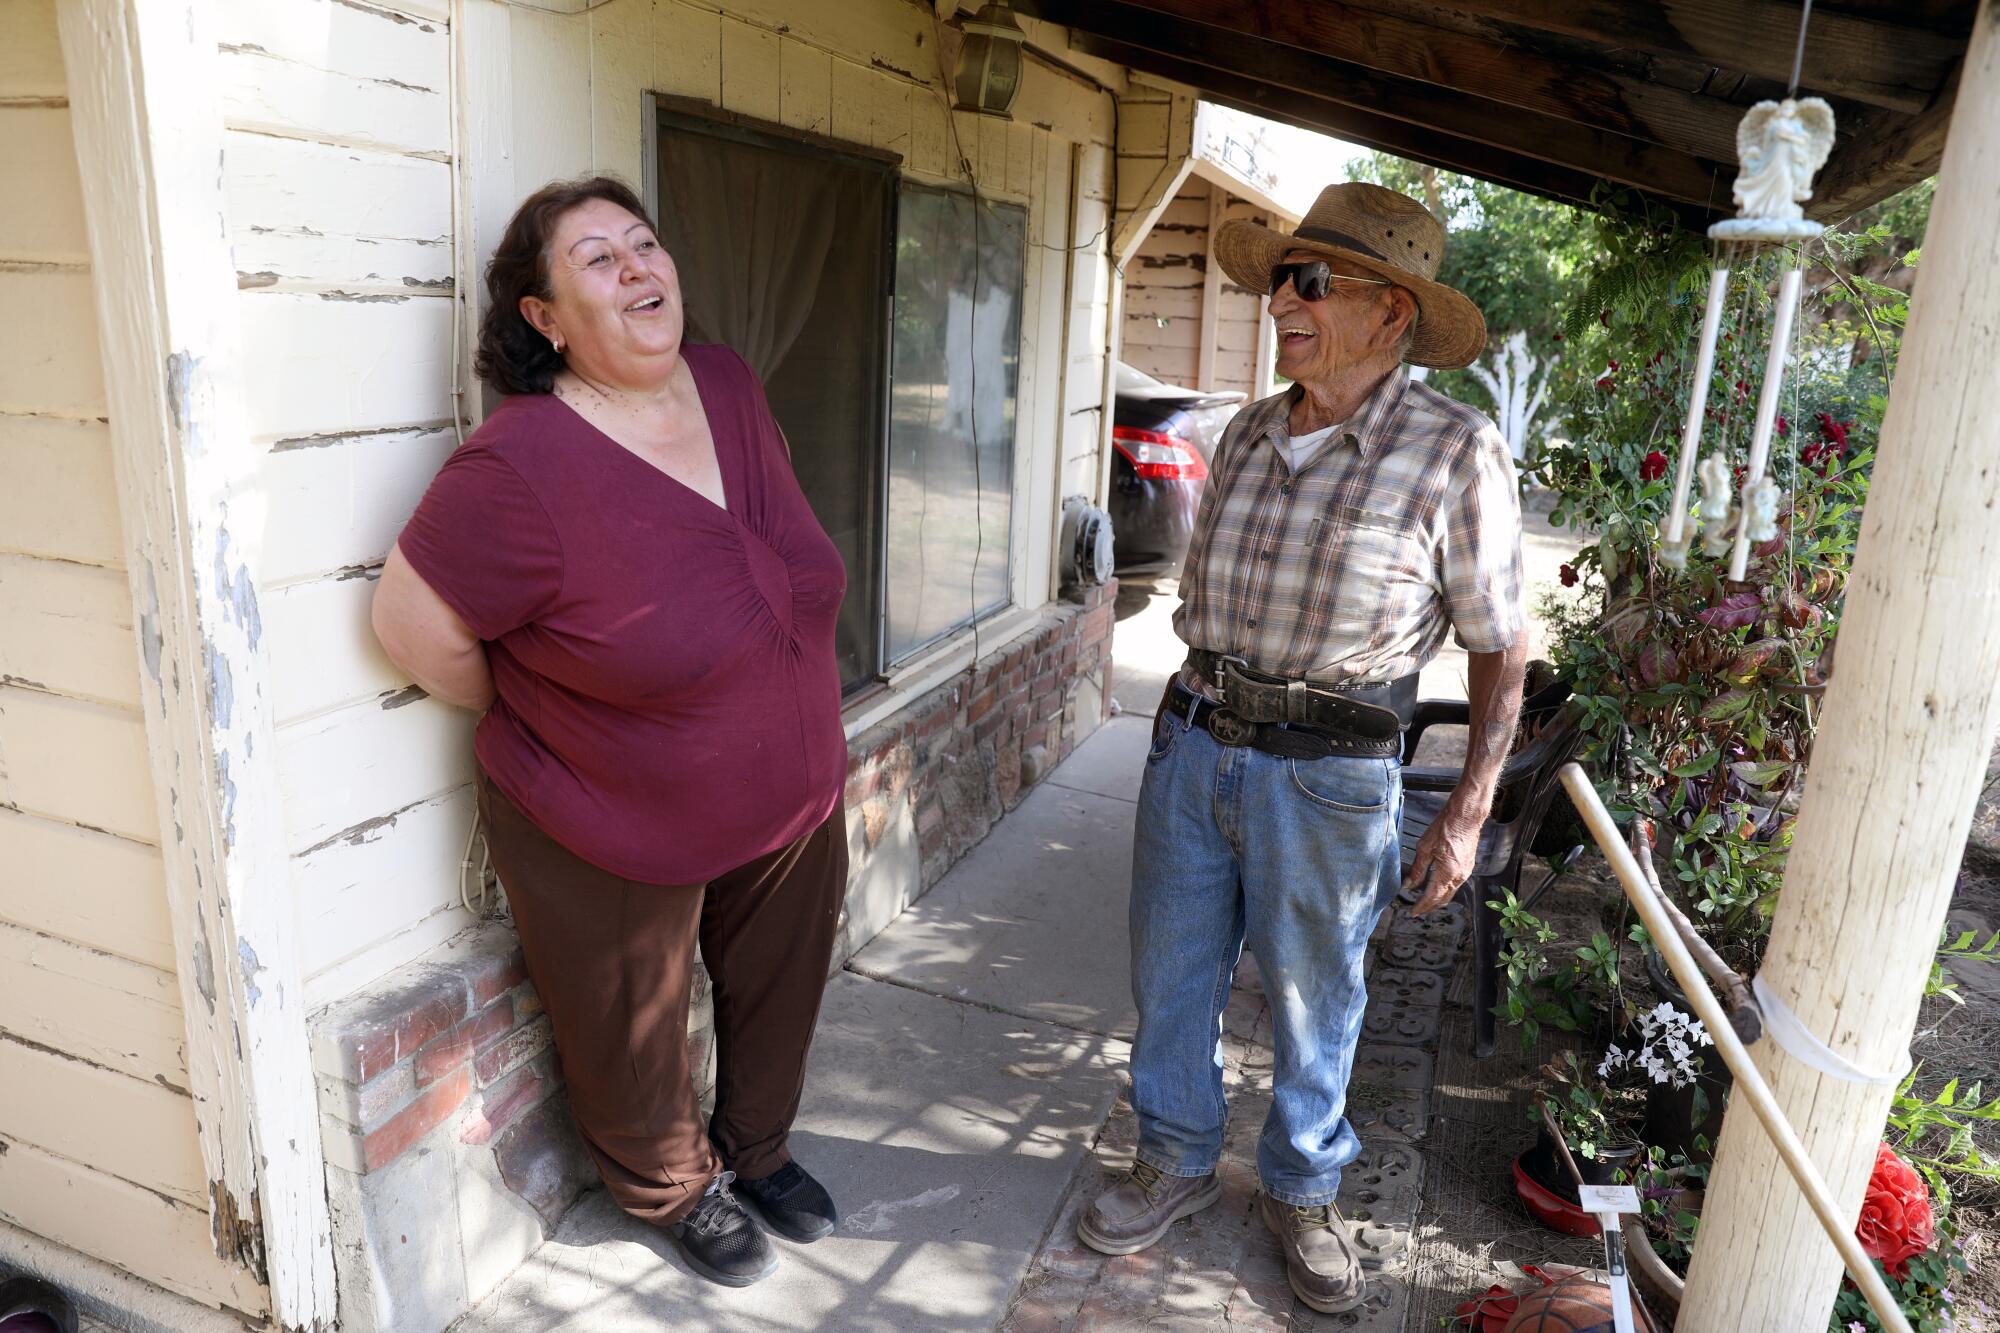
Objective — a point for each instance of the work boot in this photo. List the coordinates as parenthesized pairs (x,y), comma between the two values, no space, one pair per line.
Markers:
(722,1242)
(797,1206)
(1320,1259)
(1137,1211)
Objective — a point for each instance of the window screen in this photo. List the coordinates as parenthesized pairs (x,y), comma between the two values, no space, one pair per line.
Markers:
(954,367)
(783,252)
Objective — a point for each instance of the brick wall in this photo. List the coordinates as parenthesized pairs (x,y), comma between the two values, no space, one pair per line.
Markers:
(965,754)
(440,1092)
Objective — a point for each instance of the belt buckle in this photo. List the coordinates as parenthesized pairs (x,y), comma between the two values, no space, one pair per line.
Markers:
(1230,729)
(1221,681)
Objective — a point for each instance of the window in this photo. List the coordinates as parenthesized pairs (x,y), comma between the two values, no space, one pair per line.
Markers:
(885,324)
(954,370)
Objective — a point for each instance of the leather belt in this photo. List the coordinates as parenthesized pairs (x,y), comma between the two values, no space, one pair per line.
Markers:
(1361,712)
(1291,742)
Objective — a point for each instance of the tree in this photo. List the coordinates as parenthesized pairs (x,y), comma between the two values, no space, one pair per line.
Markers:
(1514,407)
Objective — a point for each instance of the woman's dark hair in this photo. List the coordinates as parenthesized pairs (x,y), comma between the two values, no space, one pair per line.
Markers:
(512,356)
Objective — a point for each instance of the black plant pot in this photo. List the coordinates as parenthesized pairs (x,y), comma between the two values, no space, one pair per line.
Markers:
(1543,1164)
(1663,981)
(1671,1122)
(34,1306)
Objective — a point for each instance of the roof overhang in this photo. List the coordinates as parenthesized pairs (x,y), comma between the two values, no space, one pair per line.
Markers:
(1553,97)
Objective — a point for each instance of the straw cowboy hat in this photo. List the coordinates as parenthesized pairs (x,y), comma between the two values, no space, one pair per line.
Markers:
(1392,236)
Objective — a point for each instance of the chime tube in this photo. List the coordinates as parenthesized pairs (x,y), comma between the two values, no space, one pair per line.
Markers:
(1767,412)
(1704,368)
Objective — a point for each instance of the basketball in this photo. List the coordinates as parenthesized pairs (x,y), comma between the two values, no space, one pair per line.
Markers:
(1574,1305)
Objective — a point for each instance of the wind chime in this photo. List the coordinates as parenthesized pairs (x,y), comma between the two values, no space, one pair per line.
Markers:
(1779,145)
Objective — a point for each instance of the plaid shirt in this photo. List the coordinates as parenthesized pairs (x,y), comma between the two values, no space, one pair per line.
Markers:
(1350,570)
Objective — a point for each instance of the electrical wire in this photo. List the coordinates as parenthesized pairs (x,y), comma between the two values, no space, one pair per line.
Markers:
(972,316)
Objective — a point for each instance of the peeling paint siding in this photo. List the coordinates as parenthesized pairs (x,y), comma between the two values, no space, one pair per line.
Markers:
(338,196)
(93,1021)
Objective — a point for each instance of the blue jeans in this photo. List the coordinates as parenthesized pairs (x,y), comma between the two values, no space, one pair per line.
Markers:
(1300,857)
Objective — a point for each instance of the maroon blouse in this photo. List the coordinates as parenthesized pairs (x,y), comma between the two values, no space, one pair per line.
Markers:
(669,699)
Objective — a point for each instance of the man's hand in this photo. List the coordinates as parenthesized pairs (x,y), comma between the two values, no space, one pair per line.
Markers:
(1444,859)
(1450,847)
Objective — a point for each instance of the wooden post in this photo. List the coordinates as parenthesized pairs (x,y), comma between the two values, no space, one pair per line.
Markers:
(1895,772)
(148,128)
(1211,292)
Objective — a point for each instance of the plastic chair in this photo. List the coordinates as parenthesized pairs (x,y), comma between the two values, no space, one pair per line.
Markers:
(1545,740)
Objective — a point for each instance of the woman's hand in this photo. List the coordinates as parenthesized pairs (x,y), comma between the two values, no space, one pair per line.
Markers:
(426,639)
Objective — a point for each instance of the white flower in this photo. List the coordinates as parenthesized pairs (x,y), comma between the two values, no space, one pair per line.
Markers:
(1668,1039)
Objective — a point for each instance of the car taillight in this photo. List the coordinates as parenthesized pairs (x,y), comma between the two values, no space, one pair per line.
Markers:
(1155,454)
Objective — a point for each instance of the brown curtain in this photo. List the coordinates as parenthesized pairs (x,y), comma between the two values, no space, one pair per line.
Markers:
(783,255)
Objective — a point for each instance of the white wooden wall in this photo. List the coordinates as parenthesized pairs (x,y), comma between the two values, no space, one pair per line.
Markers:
(1240,337)
(1168,289)
(337,174)
(1164,290)
(98,1146)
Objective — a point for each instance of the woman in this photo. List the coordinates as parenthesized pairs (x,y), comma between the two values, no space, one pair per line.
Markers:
(620,570)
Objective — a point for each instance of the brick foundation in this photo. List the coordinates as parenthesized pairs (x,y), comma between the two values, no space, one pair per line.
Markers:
(451,1153)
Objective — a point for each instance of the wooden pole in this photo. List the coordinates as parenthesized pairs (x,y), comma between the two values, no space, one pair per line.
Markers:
(1651,905)
(1896,770)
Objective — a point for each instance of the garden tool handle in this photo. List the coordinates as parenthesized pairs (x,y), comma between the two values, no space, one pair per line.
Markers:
(1749,1079)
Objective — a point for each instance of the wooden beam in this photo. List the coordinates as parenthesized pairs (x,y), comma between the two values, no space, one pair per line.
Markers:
(148,127)
(1211,292)
(1526,133)
(1865,171)
(1691,123)
(1896,769)
(1373,130)
(1868,60)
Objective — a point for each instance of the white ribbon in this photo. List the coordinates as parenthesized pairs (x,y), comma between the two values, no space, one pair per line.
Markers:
(1783,1026)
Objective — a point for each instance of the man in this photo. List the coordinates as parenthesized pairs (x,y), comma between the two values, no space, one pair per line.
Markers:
(1349,521)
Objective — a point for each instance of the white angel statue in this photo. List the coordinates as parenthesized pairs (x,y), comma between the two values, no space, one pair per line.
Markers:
(1716,511)
(1781,145)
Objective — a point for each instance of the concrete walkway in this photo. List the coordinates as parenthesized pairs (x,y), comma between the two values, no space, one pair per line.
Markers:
(965,1065)
(964,1100)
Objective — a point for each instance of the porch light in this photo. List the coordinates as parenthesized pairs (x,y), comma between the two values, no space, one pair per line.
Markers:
(989,64)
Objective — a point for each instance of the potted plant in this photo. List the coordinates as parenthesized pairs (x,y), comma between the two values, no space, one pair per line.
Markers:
(1598,1118)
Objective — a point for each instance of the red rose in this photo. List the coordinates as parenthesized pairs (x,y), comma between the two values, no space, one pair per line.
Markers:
(1653,466)
(1604,383)
(1614,364)
(1568,576)
(1834,431)
(1897,1223)
(1784,426)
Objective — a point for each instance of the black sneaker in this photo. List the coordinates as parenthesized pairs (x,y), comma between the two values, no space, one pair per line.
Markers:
(722,1242)
(797,1206)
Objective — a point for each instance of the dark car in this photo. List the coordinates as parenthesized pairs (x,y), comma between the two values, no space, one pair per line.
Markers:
(1163,438)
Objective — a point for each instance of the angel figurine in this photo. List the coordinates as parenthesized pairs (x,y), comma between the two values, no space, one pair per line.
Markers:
(1763,519)
(1715,506)
(1780,146)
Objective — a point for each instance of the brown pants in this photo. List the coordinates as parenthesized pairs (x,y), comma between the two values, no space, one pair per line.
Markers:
(612,960)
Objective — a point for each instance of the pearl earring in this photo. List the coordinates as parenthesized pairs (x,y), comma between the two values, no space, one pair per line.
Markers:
(557,344)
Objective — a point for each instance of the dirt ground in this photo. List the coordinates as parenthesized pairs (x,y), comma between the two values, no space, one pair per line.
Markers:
(1962,1041)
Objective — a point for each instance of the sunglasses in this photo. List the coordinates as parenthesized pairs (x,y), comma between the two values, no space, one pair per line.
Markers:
(1313,279)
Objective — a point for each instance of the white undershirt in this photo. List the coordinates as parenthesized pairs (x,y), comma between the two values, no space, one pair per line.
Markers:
(1301,448)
